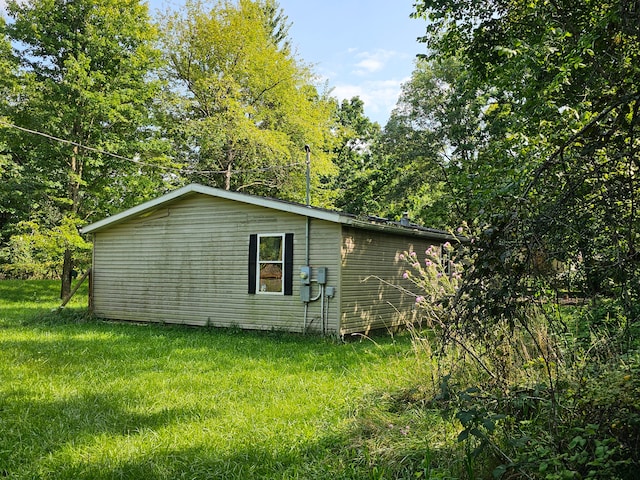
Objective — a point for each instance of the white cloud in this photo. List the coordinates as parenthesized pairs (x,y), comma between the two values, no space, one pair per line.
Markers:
(371,62)
(379,96)
(369,65)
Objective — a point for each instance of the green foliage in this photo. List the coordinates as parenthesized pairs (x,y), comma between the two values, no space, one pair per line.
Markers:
(10,170)
(360,180)
(560,125)
(550,187)
(99,54)
(243,106)
(431,143)
(597,436)
(36,252)
(84,78)
(277,24)
(546,392)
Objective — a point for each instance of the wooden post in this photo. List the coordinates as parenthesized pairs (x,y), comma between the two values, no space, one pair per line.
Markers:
(90,290)
(75,289)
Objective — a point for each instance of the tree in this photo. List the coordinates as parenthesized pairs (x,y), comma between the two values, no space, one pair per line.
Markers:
(9,170)
(563,84)
(246,107)
(359,176)
(432,140)
(277,24)
(85,75)
(439,166)
(559,85)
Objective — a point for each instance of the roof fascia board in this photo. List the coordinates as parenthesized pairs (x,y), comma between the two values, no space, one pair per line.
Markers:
(296,209)
(407,231)
(214,192)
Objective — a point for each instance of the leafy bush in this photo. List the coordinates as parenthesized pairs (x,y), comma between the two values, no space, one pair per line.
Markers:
(36,252)
(544,391)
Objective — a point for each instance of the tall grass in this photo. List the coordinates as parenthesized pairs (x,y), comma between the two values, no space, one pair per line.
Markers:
(82,398)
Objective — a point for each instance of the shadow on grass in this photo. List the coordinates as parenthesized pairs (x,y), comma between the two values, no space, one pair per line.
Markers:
(292,352)
(33,428)
(32,304)
(196,463)
(22,301)
(325,458)
(48,426)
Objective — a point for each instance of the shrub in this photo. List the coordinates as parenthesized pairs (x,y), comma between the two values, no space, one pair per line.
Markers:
(37,253)
(539,390)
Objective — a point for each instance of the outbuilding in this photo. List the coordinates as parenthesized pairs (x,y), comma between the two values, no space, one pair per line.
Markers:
(205,256)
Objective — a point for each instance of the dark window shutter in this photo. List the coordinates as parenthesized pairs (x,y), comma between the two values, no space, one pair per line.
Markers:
(253,260)
(288,264)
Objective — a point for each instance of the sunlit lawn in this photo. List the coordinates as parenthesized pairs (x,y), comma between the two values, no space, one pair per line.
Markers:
(81,398)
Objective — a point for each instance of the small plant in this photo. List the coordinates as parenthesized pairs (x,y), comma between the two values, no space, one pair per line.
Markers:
(437,278)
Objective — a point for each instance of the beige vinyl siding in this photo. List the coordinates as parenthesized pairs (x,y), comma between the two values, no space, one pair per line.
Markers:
(371,268)
(325,252)
(187,263)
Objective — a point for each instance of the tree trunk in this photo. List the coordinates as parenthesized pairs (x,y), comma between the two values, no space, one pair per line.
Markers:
(227,177)
(229,157)
(74,195)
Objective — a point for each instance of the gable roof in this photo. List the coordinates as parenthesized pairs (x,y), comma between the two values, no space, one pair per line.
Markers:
(368,223)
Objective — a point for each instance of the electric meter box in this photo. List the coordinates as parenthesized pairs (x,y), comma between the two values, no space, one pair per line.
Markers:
(305,275)
(305,293)
(321,275)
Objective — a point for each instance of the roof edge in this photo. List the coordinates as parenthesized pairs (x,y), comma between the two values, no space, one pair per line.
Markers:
(410,230)
(143,207)
(213,192)
(275,204)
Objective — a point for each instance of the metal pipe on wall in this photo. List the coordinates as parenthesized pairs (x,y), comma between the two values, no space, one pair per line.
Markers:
(324,328)
(307,232)
(308,150)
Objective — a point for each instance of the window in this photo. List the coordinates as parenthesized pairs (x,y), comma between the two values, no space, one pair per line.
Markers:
(271,263)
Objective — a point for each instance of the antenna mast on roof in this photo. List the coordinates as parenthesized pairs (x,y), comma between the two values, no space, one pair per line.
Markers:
(308,150)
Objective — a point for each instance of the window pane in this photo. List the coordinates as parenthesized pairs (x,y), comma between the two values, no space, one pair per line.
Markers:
(271,248)
(270,277)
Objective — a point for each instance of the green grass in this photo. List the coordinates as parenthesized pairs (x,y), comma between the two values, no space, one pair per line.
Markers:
(82,398)
(88,399)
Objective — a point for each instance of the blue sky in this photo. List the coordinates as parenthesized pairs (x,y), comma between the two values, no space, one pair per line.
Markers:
(364,48)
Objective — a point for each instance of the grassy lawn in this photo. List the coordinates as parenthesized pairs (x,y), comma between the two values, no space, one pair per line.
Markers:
(88,399)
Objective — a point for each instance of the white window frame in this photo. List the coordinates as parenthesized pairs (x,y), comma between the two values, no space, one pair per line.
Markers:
(260,262)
